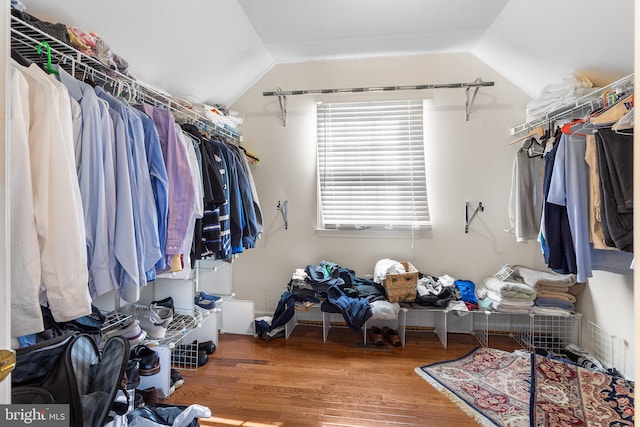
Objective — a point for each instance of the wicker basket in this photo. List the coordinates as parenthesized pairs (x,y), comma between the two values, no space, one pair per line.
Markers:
(402,287)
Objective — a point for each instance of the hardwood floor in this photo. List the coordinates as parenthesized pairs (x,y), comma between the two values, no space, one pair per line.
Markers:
(303,382)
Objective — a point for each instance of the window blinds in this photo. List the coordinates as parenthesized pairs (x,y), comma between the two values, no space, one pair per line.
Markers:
(371,165)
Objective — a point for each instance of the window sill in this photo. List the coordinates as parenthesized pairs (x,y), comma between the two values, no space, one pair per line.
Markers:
(375,234)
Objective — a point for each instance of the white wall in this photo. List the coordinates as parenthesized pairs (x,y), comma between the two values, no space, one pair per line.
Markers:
(467,161)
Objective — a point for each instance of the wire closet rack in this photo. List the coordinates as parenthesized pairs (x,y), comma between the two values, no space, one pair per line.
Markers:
(27,41)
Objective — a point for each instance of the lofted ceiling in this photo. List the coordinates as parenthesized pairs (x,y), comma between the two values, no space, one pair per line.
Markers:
(212,51)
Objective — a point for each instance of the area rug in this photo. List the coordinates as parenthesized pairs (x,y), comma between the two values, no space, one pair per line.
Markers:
(569,395)
(490,385)
(520,389)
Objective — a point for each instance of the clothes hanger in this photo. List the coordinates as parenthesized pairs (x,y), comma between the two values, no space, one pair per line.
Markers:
(539,132)
(533,147)
(19,58)
(49,68)
(625,122)
(614,112)
(567,127)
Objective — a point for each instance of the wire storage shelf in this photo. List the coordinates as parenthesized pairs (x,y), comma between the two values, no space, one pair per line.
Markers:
(26,38)
(551,333)
(533,332)
(591,101)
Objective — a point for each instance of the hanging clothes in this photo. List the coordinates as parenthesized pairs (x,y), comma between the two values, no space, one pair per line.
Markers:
(526,198)
(181,193)
(555,233)
(159,186)
(568,187)
(56,267)
(596,235)
(96,182)
(212,232)
(125,197)
(615,162)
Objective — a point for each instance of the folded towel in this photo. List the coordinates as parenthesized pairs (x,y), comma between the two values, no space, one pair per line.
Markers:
(526,299)
(549,302)
(538,278)
(551,311)
(509,309)
(543,288)
(508,288)
(577,288)
(557,295)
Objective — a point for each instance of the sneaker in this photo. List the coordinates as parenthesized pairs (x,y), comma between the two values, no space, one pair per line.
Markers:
(176,378)
(166,302)
(154,319)
(204,295)
(177,327)
(130,330)
(205,300)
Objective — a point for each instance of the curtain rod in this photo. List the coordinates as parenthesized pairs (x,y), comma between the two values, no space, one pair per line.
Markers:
(477,83)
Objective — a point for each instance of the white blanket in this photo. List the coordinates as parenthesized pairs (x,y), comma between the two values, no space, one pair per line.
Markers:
(516,290)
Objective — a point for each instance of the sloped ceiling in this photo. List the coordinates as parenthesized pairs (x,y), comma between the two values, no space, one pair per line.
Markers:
(212,51)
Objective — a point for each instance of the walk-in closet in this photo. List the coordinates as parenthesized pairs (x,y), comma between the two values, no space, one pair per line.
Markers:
(345,213)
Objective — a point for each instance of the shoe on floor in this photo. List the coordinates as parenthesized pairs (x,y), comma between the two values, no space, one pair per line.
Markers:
(376,336)
(392,337)
(189,355)
(208,346)
(176,378)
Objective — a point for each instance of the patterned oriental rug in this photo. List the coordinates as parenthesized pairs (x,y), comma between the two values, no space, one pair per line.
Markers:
(499,388)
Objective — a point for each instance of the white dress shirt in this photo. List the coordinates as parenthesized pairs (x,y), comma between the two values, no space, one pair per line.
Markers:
(56,199)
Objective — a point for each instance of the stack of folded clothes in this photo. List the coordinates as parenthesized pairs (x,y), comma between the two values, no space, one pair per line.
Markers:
(505,296)
(556,293)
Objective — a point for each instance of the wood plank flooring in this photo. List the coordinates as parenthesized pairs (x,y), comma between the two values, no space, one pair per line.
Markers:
(303,382)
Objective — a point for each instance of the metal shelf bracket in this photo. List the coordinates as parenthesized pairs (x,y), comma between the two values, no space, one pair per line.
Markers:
(468,220)
(284,210)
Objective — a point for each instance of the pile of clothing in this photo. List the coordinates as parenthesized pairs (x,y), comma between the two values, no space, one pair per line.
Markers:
(339,290)
(556,293)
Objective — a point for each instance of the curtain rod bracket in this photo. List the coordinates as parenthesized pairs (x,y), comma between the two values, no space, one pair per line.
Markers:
(284,210)
(282,100)
(468,104)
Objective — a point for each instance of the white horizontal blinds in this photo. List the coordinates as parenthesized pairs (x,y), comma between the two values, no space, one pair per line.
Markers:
(371,165)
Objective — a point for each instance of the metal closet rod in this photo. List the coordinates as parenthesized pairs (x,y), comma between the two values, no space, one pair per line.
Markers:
(477,83)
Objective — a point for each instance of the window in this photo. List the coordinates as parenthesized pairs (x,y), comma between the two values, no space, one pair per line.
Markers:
(371,165)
